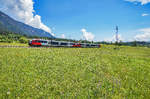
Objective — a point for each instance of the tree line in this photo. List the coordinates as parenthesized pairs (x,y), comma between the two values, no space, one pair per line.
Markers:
(11,37)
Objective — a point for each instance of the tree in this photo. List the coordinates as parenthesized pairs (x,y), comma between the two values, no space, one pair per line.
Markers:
(135,43)
(23,40)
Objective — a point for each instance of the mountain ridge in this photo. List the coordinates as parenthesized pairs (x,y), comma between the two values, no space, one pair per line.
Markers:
(9,24)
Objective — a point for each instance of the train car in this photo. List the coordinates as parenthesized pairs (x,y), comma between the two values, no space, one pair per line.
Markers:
(38,43)
(54,43)
(76,45)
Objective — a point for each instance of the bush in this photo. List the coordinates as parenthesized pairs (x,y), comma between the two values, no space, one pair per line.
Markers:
(23,40)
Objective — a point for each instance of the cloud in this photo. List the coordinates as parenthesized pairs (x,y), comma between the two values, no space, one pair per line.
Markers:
(23,10)
(113,38)
(140,1)
(63,36)
(145,14)
(144,36)
(87,35)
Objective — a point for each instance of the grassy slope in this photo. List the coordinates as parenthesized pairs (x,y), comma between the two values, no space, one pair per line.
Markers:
(75,73)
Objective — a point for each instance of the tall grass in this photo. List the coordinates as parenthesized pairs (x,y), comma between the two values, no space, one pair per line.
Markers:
(75,73)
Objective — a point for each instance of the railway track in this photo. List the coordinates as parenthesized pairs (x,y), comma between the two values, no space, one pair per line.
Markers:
(9,46)
(5,46)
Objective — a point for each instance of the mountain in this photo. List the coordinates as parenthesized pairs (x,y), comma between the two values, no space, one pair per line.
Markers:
(11,25)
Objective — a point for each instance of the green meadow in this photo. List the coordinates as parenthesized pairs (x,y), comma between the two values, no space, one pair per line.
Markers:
(75,73)
(13,44)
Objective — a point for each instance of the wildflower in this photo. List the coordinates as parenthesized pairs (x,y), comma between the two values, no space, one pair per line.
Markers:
(8,93)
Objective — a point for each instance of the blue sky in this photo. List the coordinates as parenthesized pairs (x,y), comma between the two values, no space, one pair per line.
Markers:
(97,18)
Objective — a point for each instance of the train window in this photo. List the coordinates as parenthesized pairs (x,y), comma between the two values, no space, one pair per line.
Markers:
(93,45)
(44,41)
(37,41)
(40,41)
(74,44)
(71,43)
(64,43)
(54,43)
(87,44)
(82,44)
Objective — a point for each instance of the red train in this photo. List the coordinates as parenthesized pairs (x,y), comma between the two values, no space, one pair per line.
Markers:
(53,43)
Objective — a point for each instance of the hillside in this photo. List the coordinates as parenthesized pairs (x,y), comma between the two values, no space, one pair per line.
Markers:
(11,25)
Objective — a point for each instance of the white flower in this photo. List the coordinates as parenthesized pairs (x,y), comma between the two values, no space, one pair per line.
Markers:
(8,92)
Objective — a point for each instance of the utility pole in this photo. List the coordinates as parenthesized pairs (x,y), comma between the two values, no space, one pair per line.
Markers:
(117,39)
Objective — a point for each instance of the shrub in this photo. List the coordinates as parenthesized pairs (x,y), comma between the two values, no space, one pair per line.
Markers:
(23,40)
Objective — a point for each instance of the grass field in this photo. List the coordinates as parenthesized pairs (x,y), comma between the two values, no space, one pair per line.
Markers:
(75,73)
(12,44)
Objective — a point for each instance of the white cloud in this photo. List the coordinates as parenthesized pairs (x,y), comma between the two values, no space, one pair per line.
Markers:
(87,35)
(144,36)
(63,36)
(22,10)
(141,1)
(145,14)
(113,38)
